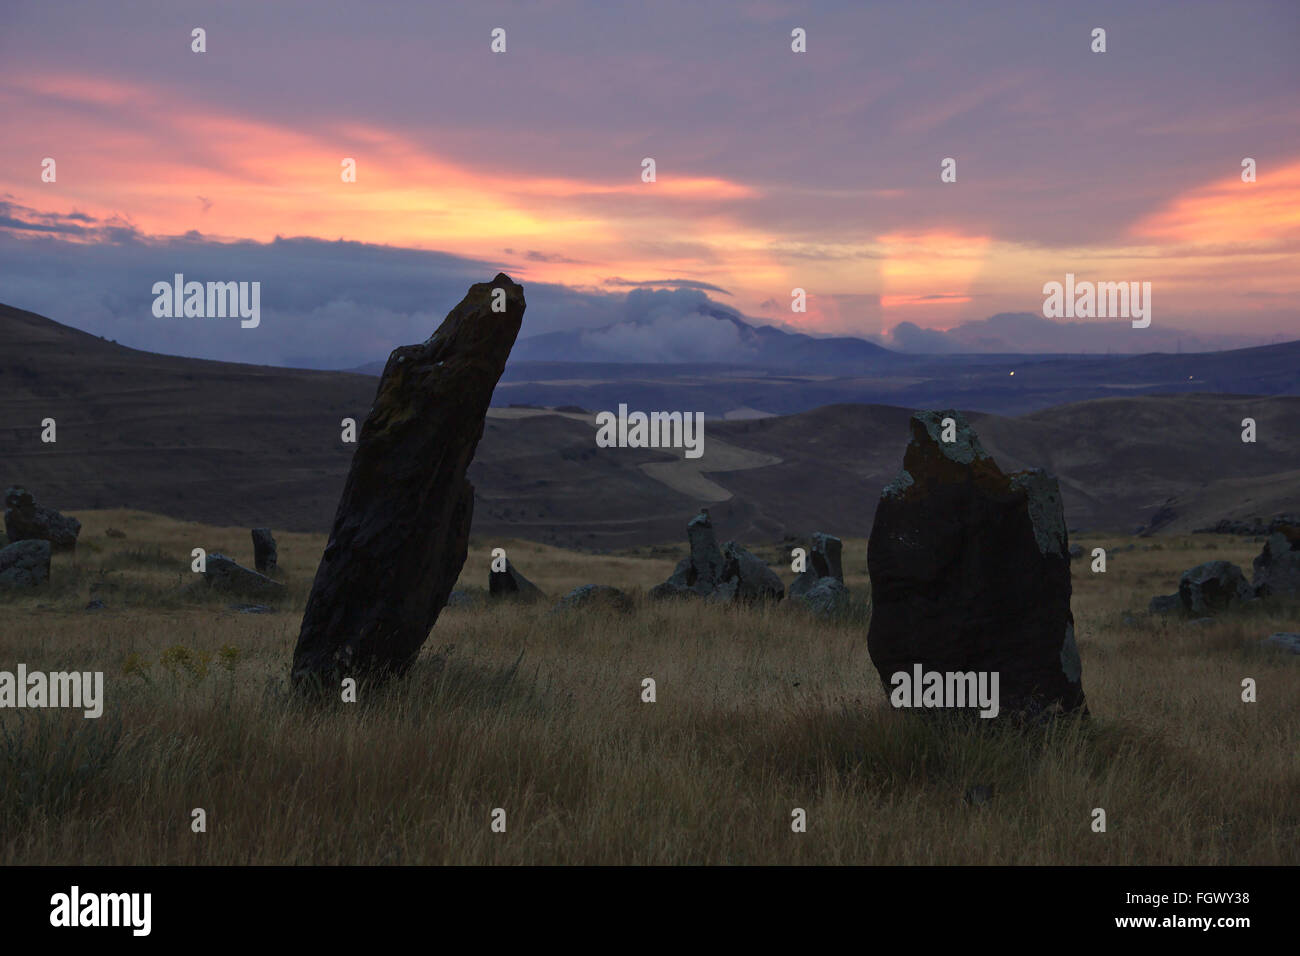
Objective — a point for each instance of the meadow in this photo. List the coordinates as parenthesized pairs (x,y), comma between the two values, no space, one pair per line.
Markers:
(758,712)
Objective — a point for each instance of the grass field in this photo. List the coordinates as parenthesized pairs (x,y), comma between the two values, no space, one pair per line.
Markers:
(758,712)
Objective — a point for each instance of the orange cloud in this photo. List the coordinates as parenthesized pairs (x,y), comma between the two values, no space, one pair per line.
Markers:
(1231,211)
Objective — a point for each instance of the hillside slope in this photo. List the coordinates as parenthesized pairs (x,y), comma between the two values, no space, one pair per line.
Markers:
(252,445)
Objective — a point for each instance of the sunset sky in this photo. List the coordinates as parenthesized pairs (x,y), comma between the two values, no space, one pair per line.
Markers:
(775,169)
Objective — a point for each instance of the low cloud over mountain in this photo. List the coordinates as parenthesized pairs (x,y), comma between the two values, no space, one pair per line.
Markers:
(1013,332)
(346,304)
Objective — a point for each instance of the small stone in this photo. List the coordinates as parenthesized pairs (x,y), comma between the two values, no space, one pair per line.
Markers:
(27,521)
(1213,587)
(1283,641)
(96,605)
(511,584)
(827,598)
(25,564)
(1277,569)
(222,574)
(595,597)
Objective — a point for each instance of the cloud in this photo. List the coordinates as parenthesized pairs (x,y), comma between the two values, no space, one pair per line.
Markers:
(324,304)
(670,283)
(1015,332)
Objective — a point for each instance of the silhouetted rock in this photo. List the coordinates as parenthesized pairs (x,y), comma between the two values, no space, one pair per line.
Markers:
(226,576)
(1277,569)
(265,555)
(970,571)
(401,532)
(729,573)
(1283,641)
(96,605)
(24,564)
(511,584)
(1213,587)
(595,597)
(25,520)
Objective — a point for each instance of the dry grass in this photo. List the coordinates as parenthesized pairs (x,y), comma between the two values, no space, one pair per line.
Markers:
(758,712)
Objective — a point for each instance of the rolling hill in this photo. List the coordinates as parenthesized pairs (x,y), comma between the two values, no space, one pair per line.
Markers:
(254,445)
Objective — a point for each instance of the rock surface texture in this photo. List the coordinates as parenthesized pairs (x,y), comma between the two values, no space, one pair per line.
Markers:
(401,532)
(25,564)
(970,571)
(1213,587)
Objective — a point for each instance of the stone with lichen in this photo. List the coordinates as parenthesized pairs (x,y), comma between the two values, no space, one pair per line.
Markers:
(970,571)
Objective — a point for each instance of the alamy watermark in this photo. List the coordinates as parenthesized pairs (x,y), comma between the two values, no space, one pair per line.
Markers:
(213,300)
(1101,300)
(655,430)
(75,908)
(947,689)
(75,689)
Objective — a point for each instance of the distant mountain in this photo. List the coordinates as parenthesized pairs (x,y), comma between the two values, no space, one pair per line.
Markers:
(736,342)
(710,336)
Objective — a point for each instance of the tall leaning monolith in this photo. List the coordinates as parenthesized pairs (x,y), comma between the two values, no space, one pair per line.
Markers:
(970,572)
(401,532)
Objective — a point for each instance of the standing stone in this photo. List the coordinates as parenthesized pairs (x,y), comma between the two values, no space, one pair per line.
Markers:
(699,573)
(401,533)
(823,562)
(1277,569)
(265,555)
(511,584)
(729,573)
(970,571)
(1213,586)
(25,564)
(25,520)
